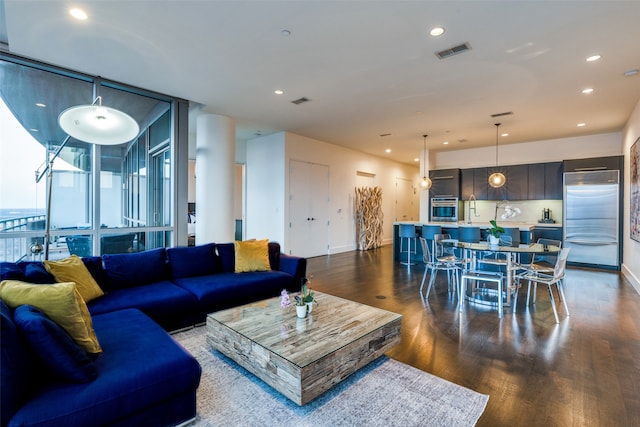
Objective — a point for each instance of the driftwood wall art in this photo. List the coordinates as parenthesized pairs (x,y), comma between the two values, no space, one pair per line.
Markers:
(369,217)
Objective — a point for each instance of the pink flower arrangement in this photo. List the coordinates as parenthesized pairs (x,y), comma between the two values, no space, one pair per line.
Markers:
(285,301)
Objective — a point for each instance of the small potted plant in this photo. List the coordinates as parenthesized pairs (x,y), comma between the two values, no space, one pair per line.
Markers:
(301,307)
(307,295)
(494,233)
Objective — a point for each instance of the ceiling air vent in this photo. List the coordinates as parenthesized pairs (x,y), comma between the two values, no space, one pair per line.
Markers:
(300,100)
(506,113)
(453,51)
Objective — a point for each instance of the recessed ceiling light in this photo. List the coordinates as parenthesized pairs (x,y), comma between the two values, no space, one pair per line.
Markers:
(388,150)
(445,143)
(587,91)
(581,125)
(78,13)
(504,134)
(437,31)
(40,104)
(631,72)
(278,91)
(593,58)
(416,159)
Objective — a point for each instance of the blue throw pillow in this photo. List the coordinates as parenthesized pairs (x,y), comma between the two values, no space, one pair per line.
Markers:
(16,379)
(54,347)
(11,271)
(193,261)
(226,252)
(139,268)
(34,272)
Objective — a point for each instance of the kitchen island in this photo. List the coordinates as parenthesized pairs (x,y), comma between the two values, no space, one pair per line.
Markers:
(529,232)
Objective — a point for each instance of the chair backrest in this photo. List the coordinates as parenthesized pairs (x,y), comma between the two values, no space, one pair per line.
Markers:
(550,258)
(561,262)
(429,231)
(407,230)
(514,233)
(440,249)
(506,240)
(79,245)
(469,234)
(426,254)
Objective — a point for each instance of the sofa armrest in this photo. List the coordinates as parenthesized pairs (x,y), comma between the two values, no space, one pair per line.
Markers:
(296,266)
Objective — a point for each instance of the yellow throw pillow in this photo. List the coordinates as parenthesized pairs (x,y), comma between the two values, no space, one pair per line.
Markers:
(72,269)
(61,302)
(252,255)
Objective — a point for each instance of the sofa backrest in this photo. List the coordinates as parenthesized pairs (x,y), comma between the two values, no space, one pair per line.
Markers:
(135,269)
(190,261)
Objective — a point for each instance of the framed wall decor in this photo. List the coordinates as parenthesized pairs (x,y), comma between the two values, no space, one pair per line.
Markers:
(635,190)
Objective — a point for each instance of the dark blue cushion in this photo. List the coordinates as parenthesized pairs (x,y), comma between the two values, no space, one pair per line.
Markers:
(140,268)
(226,252)
(274,255)
(141,366)
(15,367)
(192,261)
(34,272)
(223,290)
(65,359)
(11,271)
(94,265)
(158,300)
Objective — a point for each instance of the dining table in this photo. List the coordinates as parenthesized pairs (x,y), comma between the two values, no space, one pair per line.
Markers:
(505,256)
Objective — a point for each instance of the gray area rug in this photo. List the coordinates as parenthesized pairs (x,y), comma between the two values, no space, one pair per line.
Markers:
(384,393)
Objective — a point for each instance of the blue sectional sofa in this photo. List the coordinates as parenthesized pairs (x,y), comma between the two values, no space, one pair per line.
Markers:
(143,377)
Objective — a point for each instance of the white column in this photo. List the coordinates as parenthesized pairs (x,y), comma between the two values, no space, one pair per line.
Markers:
(424,193)
(215,179)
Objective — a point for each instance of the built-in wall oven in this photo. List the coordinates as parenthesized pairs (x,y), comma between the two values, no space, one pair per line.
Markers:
(445,209)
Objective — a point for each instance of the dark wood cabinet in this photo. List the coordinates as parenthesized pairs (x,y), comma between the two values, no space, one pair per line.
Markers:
(553,181)
(596,163)
(535,185)
(466,184)
(445,183)
(517,182)
(479,186)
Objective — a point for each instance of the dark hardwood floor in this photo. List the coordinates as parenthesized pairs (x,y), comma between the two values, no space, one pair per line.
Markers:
(584,371)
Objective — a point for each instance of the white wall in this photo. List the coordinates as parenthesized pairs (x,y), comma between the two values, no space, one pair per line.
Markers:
(265,184)
(631,254)
(550,150)
(344,164)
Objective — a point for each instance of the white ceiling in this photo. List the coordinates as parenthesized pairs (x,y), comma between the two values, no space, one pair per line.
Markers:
(369,68)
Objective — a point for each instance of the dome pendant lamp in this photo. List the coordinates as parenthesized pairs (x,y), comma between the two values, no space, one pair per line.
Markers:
(97,124)
(425,183)
(497,179)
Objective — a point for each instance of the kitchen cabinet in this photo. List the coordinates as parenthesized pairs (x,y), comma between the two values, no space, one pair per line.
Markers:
(592,164)
(445,182)
(517,182)
(553,181)
(474,181)
(545,181)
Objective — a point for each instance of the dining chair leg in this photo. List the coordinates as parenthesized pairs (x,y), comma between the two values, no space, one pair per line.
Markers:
(500,305)
(528,291)
(560,287)
(432,280)
(424,276)
(553,303)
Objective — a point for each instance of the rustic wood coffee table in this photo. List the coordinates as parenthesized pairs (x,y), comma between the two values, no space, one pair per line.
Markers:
(303,358)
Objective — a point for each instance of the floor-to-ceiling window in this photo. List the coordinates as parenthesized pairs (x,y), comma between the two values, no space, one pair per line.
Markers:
(104,199)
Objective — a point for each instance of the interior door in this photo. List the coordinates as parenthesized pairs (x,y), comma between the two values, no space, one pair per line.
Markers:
(407,201)
(308,209)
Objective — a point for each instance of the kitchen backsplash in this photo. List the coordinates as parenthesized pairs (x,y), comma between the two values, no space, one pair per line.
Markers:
(522,211)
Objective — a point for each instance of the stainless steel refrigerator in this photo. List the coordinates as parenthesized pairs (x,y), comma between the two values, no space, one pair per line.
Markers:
(591,217)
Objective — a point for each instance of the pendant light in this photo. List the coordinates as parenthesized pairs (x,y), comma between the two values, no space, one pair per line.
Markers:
(497,179)
(426,182)
(97,124)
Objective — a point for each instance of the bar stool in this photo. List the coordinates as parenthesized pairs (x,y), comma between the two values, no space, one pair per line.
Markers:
(408,232)
(429,232)
(469,234)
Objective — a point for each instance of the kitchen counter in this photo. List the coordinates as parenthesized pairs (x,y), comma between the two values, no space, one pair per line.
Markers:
(523,226)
